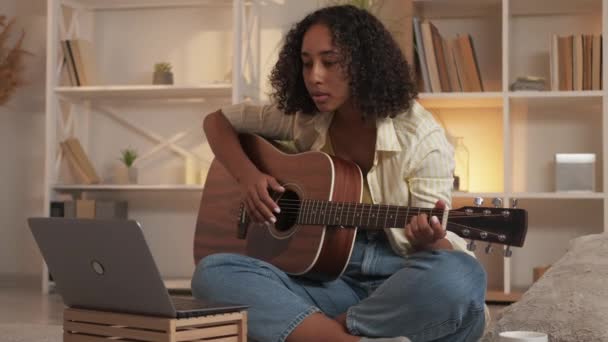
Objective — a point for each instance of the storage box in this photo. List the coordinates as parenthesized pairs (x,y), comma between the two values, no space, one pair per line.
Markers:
(575,172)
(89,326)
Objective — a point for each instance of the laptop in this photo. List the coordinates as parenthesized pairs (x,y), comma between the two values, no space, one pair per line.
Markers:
(107,265)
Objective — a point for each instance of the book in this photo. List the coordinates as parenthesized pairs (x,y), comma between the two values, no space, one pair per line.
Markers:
(554,62)
(80,61)
(451,64)
(467,64)
(419,46)
(577,62)
(78,172)
(587,61)
(596,62)
(84,59)
(431,60)
(81,158)
(565,62)
(442,67)
(69,64)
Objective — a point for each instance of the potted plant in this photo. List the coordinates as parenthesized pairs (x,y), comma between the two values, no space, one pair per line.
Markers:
(126,173)
(162,73)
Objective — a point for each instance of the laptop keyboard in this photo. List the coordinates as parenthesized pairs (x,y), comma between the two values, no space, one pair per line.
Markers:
(185,303)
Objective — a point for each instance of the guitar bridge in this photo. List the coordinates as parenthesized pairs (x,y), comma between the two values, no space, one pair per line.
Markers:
(241,231)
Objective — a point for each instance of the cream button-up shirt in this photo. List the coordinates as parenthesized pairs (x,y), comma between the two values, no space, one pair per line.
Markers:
(413,161)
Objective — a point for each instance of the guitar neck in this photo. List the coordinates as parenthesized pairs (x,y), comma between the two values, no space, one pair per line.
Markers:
(365,216)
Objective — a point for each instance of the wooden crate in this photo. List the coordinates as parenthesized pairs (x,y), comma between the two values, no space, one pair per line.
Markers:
(96,326)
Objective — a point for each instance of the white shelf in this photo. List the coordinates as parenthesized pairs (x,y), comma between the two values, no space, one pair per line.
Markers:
(138,4)
(589,102)
(555,94)
(558,195)
(144,92)
(457,8)
(461,100)
(119,187)
(554,7)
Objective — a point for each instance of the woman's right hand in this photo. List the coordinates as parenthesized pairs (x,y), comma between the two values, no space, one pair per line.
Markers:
(258,202)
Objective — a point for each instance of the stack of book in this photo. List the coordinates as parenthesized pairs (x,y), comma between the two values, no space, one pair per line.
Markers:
(80,165)
(90,208)
(446,65)
(576,62)
(78,63)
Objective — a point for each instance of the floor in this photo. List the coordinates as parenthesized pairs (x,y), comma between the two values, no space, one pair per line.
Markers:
(21,301)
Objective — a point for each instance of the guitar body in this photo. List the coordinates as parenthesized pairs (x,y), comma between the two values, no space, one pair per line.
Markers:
(315,251)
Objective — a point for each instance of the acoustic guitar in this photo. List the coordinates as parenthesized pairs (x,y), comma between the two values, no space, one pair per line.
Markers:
(321,212)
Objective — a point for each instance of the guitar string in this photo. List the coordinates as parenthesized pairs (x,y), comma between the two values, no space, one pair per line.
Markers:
(349,205)
(381,212)
(449,223)
(383,209)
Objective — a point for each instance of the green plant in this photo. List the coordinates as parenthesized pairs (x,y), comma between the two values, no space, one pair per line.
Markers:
(128,157)
(162,67)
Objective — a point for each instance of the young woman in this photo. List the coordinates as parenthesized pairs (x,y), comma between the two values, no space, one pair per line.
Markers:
(342,86)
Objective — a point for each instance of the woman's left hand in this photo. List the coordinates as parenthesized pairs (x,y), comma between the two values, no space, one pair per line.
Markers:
(424,234)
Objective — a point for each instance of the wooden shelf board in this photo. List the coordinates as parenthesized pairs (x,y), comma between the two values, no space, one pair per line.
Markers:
(461,100)
(137,4)
(135,187)
(144,92)
(502,297)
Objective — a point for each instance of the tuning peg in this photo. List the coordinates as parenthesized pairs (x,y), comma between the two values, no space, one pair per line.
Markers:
(514,203)
(471,246)
(478,201)
(508,252)
(489,248)
(497,202)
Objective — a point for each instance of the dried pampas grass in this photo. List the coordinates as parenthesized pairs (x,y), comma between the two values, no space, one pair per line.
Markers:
(11,60)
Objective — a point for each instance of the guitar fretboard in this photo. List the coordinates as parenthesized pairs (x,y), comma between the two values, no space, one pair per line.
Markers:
(368,216)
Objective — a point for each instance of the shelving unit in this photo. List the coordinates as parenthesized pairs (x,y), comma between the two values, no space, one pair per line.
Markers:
(125,109)
(512,136)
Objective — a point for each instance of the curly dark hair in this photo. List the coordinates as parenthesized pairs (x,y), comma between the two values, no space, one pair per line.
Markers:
(380,81)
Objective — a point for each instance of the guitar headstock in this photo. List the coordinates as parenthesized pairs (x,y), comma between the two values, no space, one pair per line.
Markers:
(506,226)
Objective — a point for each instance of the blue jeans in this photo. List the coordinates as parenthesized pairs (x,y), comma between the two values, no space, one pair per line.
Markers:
(427,296)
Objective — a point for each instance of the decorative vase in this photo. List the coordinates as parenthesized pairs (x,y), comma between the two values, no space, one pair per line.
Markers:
(162,78)
(132,175)
(125,175)
(461,170)
(191,170)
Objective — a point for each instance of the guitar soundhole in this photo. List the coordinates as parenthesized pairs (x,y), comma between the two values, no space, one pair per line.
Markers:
(289,202)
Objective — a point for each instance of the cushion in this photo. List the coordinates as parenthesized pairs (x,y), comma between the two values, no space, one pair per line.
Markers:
(570,301)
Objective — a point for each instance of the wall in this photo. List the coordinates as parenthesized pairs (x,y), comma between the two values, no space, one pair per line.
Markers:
(21,146)
(168,218)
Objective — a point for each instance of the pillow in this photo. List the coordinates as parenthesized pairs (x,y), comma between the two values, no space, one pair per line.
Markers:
(570,301)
